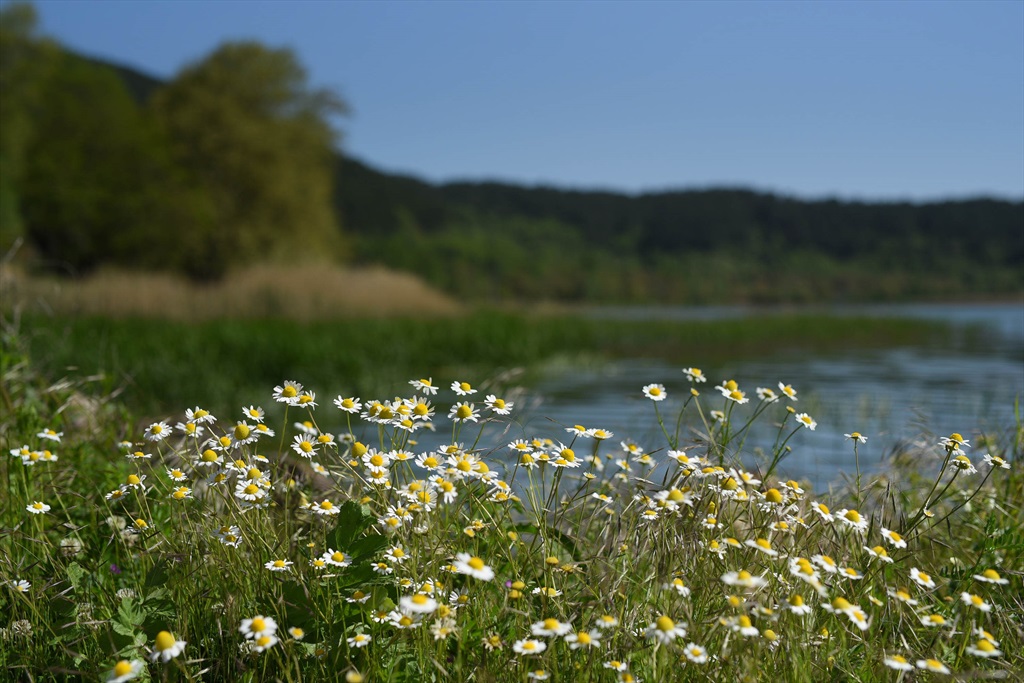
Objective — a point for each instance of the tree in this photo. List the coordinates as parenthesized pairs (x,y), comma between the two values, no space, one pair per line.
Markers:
(98,183)
(247,128)
(24,62)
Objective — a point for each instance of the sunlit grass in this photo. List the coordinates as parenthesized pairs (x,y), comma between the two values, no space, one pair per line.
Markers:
(308,536)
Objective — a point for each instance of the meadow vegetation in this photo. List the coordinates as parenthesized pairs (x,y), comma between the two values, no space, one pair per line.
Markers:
(307,536)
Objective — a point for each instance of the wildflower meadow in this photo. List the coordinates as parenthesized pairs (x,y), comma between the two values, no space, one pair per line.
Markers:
(320,538)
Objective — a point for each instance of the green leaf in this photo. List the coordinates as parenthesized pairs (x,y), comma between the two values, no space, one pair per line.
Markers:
(352,519)
(76,575)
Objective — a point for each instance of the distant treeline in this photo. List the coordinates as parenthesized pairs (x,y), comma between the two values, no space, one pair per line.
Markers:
(233,162)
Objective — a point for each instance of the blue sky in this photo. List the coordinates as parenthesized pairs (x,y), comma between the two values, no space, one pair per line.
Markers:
(870,100)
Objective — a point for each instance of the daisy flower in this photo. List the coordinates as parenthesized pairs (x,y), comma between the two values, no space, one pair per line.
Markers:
(767,395)
(606,621)
(529,646)
(349,405)
(807,421)
(288,393)
(762,545)
(336,558)
(984,648)
(463,412)
(538,675)
(258,626)
(932,665)
(165,647)
(418,603)
(743,625)
(473,566)
(304,445)
(933,620)
(38,508)
(826,563)
(695,653)
(743,578)
(856,436)
(963,464)
(898,662)
(894,538)
(655,392)
(991,576)
(360,640)
(264,642)
(921,579)
(695,375)
(325,507)
(279,565)
(125,670)
(975,601)
(788,391)
(796,605)
(50,434)
(665,630)
(822,511)
(397,554)
(902,595)
(853,520)
(550,627)
(584,639)
(879,552)
(996,461)
(158,431)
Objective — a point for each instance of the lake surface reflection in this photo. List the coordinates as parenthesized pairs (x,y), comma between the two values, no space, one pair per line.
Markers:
(892,395)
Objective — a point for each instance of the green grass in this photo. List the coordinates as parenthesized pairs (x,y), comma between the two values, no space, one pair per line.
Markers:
(165,366)
(99,593)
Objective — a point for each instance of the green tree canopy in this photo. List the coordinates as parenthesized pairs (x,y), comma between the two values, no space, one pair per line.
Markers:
(98,183)
(24,62)
(247,128)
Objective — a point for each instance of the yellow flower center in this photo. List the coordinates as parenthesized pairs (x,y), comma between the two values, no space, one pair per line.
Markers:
(209,455)
(665,624)
(796,601)
(736,395)
(358,449)
(257,624)
(327,505)
(744,621)
(463,412)
(242,431)
(419,599)
(398,552)
(763,543)
(134,480)
(251,489)
(991,574)
(122,668)
(164,641)
(224,441)
(464,386)
(476,563)
(773,496)
(985,646)
(338,556)
(853,516)
(499,403)
(841,603)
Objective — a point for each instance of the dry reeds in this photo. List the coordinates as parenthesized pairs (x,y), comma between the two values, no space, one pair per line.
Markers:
(303,293)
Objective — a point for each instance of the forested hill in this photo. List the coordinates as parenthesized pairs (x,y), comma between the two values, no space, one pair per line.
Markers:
(498,241)
(369,201)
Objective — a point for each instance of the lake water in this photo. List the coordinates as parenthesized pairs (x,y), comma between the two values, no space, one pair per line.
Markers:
(893,396)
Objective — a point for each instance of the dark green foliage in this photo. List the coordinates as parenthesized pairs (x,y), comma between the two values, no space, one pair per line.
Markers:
(98,184)
(246,128)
